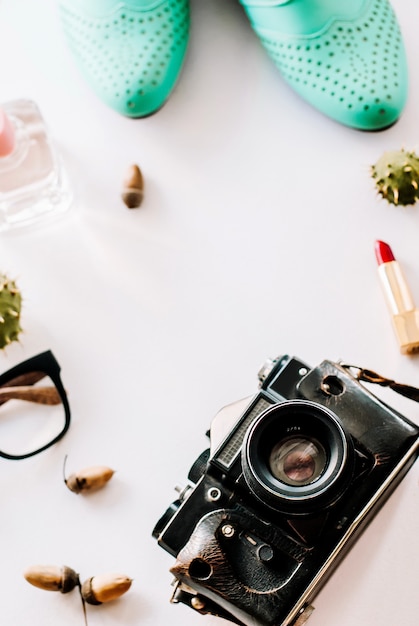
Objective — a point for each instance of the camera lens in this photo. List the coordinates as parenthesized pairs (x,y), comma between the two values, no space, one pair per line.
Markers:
(297,458)
(297,461)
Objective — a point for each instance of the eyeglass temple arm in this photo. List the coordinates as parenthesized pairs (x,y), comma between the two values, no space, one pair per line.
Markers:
(41,395)
(19,388)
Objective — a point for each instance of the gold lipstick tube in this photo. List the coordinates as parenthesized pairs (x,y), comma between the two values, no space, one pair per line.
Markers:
(404,315)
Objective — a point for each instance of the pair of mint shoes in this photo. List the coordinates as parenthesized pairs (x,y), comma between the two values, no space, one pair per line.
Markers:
(346,58)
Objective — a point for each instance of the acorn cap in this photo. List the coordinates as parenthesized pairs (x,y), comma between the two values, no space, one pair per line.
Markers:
(132,198)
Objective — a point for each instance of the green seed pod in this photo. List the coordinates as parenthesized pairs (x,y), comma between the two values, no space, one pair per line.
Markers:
(396,176)
(10,307)
(104,588)
(89,479)
(52,578)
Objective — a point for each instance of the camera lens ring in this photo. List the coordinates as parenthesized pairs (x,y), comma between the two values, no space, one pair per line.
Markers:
(315,457)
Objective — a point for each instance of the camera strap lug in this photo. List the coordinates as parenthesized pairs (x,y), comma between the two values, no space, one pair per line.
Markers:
(304,615)
(369,376)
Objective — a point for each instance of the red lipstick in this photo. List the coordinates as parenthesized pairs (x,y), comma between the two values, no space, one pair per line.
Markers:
(402,309)
(383,252)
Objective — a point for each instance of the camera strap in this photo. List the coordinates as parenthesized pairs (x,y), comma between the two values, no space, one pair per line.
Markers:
(368,376)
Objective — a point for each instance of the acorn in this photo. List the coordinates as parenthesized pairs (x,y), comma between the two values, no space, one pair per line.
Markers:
(104,588)
(89,479)
(52,578)
(133,187)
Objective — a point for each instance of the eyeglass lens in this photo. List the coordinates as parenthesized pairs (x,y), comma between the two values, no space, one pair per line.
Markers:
(31,414)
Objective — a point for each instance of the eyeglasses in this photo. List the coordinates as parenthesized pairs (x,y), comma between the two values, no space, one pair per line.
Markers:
(34,410)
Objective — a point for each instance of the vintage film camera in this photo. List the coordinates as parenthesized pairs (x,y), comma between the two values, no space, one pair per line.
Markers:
(292,477)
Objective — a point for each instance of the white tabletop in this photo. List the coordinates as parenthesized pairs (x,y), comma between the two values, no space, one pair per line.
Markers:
(255,238)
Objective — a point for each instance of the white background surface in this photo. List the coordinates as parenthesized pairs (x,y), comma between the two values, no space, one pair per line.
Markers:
(255,238)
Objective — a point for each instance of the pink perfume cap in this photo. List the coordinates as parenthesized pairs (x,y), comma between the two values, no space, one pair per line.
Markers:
(7,135)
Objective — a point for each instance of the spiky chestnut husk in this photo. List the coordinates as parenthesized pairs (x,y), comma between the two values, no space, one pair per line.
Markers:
(396,176)
(10,307)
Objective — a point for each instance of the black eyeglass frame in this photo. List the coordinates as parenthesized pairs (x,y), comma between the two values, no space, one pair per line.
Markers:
(47,364)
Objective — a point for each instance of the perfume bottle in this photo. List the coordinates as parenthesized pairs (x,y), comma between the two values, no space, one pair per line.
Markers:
(33,183)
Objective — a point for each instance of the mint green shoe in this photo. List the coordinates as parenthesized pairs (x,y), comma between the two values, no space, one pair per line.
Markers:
(130,51)
(346,58)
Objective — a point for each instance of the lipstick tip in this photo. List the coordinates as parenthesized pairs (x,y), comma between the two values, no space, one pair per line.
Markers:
(383,252)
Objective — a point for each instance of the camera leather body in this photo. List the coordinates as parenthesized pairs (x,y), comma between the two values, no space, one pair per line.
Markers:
(284,494)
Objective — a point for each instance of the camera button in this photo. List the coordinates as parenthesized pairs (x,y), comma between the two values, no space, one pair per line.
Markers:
(213,494)
(228,530)
(265,553)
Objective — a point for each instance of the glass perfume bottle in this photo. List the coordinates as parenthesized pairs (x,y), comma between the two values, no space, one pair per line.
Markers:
(33,184)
